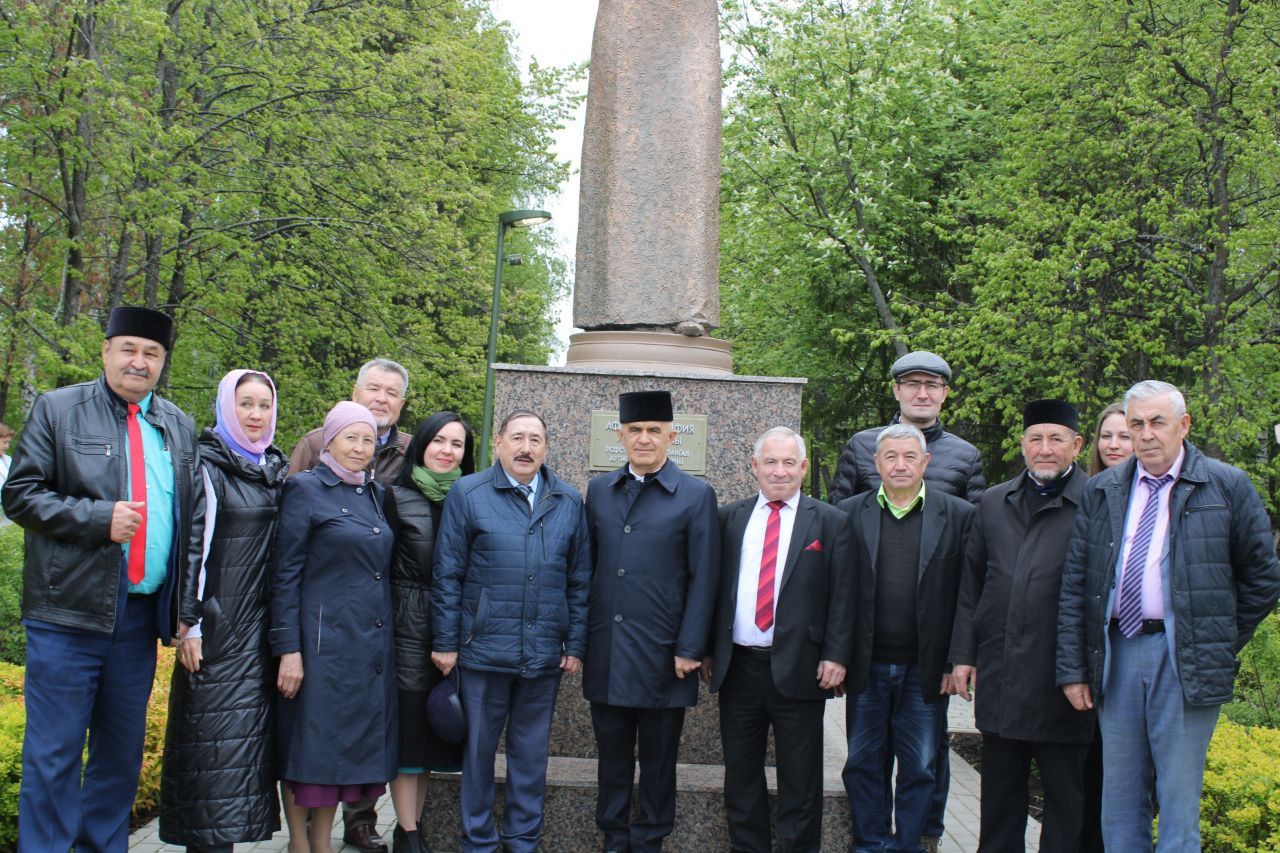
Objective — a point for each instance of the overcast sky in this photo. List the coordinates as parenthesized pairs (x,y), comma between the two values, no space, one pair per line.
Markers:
(556,32)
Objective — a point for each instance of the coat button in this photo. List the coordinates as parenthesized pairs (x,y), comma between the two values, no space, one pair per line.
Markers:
(530,575)
(377,530)
(626,529)
(622,573)
(377,577)
(378,623)
(378,669)
(530,531)
(344,509)
(617,618)
(359,490)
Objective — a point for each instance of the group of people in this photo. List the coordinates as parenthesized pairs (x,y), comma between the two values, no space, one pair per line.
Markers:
(332,613)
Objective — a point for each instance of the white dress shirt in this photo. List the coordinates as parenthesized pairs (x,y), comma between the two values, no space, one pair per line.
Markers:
(745,632)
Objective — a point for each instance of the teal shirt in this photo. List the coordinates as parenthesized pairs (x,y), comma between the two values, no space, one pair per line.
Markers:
(159,465)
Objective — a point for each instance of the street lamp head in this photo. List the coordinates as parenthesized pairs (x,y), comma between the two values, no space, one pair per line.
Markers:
(523,218)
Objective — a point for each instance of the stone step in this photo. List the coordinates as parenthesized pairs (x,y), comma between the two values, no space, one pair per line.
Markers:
(571,803)
(570,811)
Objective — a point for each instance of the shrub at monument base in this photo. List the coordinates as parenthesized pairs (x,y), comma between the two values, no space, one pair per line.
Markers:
(1240,807)
(13,720)
(13,640)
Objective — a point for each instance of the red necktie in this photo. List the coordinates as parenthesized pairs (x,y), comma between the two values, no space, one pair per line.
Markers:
(768,566)
(137,492)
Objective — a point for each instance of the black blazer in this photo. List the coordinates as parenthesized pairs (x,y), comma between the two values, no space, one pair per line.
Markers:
(943,533)
(813,618)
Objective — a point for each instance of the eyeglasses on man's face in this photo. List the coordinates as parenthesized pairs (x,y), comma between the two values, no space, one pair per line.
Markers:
(914,385)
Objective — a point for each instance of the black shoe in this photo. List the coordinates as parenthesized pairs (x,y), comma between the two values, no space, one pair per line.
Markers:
(404,841)
(364,838)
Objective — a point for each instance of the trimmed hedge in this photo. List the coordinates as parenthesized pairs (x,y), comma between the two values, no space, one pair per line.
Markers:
(13,640)
(13,721)
(1240,806)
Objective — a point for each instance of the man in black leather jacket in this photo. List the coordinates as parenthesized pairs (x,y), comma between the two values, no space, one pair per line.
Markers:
(92,614)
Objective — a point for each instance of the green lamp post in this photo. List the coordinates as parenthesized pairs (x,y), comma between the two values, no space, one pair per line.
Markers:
(510,219)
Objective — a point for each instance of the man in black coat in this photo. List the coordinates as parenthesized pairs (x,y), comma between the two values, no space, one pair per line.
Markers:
(1006,633)
(102,481)
(782,639)
(656,557)
(908,550)
(1172,566)
(921,383)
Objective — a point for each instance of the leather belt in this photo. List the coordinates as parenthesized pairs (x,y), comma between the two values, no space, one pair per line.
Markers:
(1148,626)
(755,652)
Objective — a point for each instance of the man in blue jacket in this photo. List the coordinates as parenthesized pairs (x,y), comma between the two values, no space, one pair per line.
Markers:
(656,539)
(509,609)
(1170,569)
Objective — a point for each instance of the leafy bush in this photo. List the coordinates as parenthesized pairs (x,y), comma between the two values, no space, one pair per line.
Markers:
(1240,807)
(13,721)
(1257,699)
(13,640)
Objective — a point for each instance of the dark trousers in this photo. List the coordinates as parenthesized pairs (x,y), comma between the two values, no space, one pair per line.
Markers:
(622,735)
(1006,766)
(78,682)
(1091,823)
(749,704)
(523,706)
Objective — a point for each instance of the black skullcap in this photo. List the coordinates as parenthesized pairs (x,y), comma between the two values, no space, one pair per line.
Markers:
(645,406)
(1050,412)
(141,323)
(921,360)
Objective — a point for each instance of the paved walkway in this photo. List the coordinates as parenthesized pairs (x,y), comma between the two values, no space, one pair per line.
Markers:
(961,822)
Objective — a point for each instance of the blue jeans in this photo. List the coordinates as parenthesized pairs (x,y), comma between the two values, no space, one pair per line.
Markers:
(493,701)
(1152,739)
(78,682)
(890,716)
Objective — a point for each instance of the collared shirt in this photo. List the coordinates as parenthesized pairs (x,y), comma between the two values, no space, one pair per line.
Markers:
(882,497)
(532,497)
(1152,588)
(158,463)
(745,632)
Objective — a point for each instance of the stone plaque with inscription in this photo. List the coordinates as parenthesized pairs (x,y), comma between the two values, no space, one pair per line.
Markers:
(688,450)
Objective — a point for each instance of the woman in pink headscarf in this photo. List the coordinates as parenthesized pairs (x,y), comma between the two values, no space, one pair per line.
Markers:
(331,626)
(218,778)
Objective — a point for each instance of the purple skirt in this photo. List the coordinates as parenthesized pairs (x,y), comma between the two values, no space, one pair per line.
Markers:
(313,796)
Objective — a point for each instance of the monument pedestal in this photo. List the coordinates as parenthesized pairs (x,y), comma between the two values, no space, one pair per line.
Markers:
(738,409)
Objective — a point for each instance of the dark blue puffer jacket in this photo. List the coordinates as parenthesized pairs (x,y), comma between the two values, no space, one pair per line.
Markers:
(1225,574)
(509,587)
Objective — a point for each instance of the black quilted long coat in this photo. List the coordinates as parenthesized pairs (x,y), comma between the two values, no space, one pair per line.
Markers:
(218,783)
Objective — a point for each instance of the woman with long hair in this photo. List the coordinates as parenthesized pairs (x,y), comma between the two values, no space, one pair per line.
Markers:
(1112,445)
(218,782)
(442,450)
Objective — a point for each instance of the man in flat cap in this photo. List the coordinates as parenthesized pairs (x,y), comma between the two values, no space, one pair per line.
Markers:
(102,482)
(656,556)
(921,382)
(1171,567)
(1006,637)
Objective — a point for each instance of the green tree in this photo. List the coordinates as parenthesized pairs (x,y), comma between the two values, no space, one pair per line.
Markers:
(845,124)
(302,186)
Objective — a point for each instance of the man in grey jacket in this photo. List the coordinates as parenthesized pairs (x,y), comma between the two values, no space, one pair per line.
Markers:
(1170,569)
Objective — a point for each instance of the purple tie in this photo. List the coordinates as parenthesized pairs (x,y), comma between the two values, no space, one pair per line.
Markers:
(1135,566)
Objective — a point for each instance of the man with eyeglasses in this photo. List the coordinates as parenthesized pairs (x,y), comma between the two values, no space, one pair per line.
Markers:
(921,381)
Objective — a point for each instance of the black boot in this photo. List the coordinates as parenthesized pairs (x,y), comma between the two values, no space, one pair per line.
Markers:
(403,841)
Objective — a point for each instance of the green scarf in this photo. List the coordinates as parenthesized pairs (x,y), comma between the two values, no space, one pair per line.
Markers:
(434,486)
